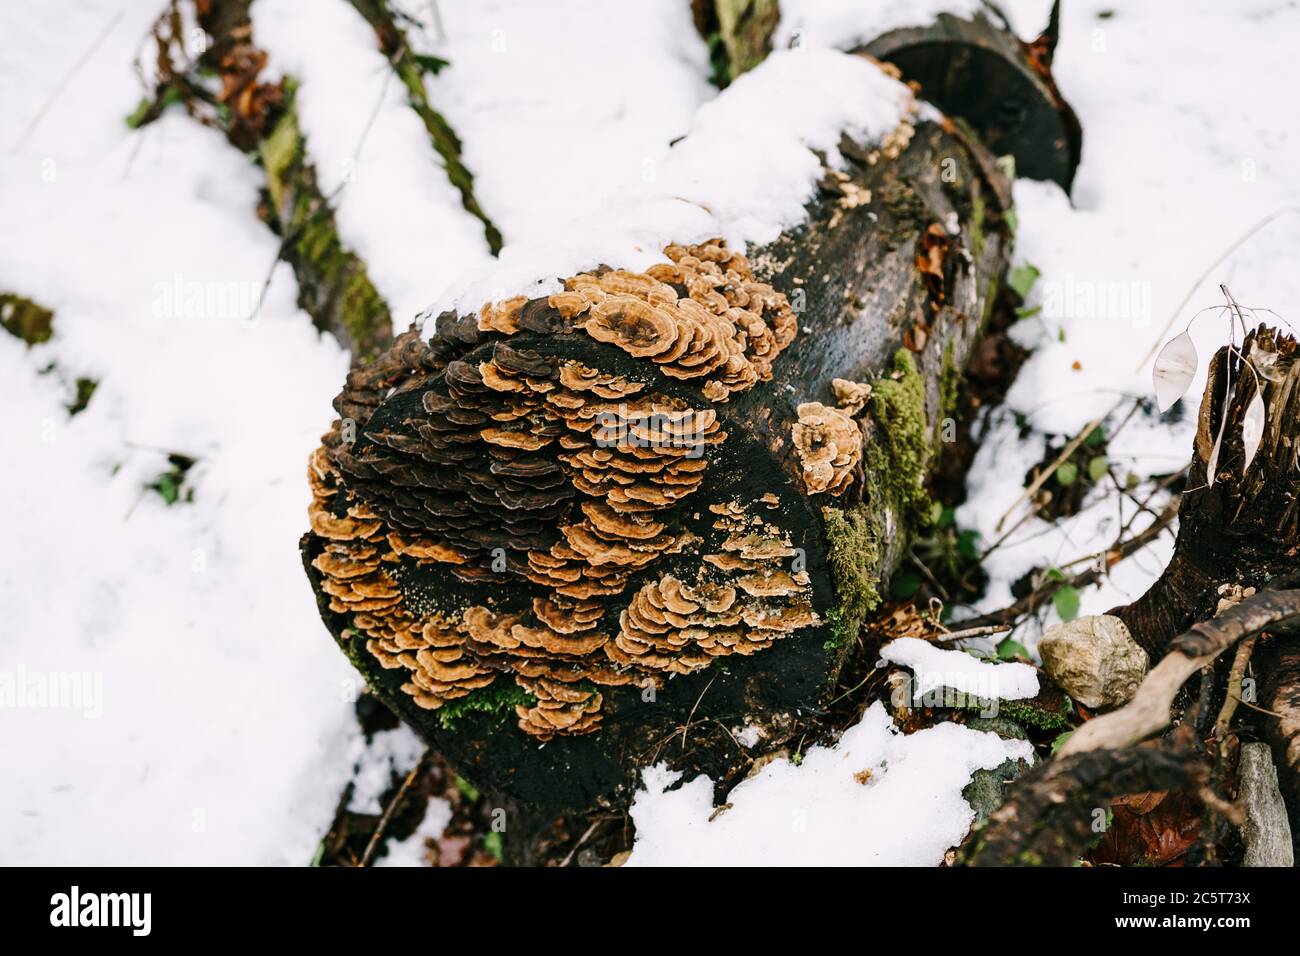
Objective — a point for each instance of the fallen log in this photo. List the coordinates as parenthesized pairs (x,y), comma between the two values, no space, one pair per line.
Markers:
(977,69)
(972,66)
(569,535)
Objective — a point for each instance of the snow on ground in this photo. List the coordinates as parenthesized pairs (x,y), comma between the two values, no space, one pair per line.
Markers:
(1181,157)
(562,104)
(395,204)
(413,851)
(935,668)
(174,699)
(876,798)
(208,718)
(389,755)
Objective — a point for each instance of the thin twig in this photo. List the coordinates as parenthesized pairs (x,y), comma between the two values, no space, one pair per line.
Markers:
(969,632)
(1050,470)
(391,809)
(63,83)
(1234,691)
(582,839)
(691,715)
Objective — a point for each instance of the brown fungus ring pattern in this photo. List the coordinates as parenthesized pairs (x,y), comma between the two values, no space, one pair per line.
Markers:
(525,466)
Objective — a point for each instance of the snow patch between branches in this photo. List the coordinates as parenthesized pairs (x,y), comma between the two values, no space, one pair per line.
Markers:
(877,798)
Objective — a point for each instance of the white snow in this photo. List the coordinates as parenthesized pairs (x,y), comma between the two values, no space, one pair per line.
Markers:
(835,23)
(1180,159)
(413,851)
(935,668)
(203,715)
(214,710)
(561,105)
(389,755)
(744,171)
(876,798)
(393,201)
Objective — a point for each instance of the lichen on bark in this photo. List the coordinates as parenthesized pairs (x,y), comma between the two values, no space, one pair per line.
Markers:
(334,286)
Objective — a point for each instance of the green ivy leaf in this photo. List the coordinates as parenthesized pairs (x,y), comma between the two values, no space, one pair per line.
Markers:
(906,584)
(968,545)
(1022,279)
(1097,468)
(1009,649)
(1067,472)
(467,789)
(1066,601)
(168,489)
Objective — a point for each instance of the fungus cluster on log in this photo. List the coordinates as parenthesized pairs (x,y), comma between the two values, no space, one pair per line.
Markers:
(616,513)
(559,474)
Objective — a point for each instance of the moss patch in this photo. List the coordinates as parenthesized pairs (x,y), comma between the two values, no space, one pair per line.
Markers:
(745,28)
(950,376)
(497,700)
(333,284)
(1044,715)
(898,464)
(24,318)
(853,540)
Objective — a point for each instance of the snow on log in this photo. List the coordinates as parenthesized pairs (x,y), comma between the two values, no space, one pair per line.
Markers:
(640,483)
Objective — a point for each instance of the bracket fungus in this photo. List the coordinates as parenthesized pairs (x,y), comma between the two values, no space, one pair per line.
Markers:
(523,466)
(830,447)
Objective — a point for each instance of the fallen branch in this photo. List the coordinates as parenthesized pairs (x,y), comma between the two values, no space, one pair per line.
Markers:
(1055,809)
(1149,711)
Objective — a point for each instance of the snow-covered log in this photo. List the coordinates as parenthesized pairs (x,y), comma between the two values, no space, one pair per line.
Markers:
(630,496)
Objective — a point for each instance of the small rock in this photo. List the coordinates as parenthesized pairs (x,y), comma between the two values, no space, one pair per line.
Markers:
(987,788)
(1094,659)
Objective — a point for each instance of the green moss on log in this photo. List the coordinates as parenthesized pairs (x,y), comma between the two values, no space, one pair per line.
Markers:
(854,554)
(746,28)
(333,284)
(410,69)
(898,464)
(498,700)
(950,376)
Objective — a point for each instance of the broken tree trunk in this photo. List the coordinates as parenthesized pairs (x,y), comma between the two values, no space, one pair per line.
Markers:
(1238,534)
(973,68)
(571,536)
(978,70)
(1244,528)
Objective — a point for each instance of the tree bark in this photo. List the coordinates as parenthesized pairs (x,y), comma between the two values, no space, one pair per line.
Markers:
(975,70)
(978,70)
